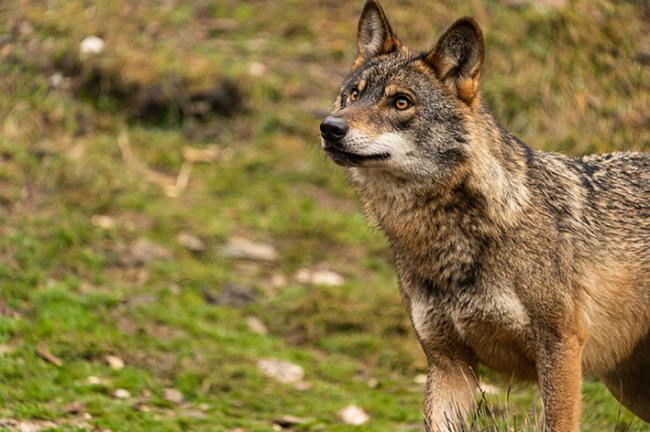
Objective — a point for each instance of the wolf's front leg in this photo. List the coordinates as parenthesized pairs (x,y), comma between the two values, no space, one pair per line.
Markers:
(560,378)
(451,385)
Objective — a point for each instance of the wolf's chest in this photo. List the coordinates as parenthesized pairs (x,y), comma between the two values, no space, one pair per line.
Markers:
(495,325)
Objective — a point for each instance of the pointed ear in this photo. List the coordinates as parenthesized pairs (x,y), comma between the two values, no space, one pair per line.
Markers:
(375,36)
(457,58)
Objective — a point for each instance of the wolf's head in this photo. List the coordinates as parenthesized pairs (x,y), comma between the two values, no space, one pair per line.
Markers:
(403,113)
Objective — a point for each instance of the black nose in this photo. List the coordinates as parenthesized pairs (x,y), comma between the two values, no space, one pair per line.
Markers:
(333,128)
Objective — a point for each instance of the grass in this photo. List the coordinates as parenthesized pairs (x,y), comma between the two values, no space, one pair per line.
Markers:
(72,206)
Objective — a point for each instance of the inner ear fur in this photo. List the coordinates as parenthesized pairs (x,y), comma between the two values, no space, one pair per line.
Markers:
(375,36)
(457,58)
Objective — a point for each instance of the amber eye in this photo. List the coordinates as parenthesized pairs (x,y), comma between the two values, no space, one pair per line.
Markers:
(354,94)
(402,103)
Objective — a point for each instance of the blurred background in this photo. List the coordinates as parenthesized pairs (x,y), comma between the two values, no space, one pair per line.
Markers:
(177,254)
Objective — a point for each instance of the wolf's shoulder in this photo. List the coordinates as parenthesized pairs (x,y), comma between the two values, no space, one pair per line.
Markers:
(612,187)
(607,169)
(618,161)
(626,170)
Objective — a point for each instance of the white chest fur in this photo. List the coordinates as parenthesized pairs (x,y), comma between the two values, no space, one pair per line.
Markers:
(501,308)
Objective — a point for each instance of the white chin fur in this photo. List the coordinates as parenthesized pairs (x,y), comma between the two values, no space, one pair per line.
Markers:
(393,143)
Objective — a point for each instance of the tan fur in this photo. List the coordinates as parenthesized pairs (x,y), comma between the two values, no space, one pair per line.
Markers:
(614,326)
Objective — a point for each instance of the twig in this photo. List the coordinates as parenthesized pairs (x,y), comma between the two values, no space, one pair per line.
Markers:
(171,187)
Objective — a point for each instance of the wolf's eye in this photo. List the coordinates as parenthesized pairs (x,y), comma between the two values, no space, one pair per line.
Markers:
(402,103)
(354,94)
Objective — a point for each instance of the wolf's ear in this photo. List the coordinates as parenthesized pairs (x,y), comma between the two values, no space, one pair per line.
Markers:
(375,36)
(457,58)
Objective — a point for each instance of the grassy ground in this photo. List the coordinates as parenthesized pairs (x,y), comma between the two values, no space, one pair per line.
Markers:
(106,159)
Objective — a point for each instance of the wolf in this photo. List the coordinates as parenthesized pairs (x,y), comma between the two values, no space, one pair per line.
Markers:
(534,264)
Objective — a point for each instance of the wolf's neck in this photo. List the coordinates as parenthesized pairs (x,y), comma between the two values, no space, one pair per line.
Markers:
(443,230)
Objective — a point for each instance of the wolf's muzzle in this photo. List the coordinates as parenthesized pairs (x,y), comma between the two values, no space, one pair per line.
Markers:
(333,129)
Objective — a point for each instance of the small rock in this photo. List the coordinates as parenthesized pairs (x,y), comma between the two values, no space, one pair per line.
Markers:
(26,426)
(103,221)
(143,407)
(143,251)
(353,415)
(93,380)
(114,362)
(241,248)
(283,371)
(256,325)
(56,80)
(173,395)
(420,379)
(91,45)
(319,277)
(256,69)
(231,294)
(121,393)
(190,242)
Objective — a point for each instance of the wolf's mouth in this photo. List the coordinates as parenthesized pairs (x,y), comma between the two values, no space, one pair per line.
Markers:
(343,157)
